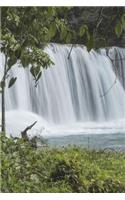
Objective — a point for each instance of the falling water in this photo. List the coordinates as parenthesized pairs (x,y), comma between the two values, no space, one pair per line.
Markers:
(80,94)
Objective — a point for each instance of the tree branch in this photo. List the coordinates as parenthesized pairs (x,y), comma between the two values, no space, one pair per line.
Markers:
(24,132)
(116,73)
(106,92)
(70,51)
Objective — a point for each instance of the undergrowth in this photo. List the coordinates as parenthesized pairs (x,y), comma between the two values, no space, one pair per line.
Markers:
(71,169)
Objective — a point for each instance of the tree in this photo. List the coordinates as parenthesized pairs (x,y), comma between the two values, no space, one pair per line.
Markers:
(25,33)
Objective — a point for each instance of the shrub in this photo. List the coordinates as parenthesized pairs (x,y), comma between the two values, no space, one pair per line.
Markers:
(72,169)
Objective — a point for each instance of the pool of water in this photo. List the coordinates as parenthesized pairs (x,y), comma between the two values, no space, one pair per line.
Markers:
(91,141)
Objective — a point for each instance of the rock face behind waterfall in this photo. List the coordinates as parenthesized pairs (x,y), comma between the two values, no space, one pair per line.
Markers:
(105,17)
(119,62)
(74,90)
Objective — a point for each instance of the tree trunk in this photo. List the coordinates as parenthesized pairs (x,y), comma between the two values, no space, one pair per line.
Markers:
(3,97)
(3,106)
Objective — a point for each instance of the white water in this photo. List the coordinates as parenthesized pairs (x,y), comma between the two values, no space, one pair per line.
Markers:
(71,97)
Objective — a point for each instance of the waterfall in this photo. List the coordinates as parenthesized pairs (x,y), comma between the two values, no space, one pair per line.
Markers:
(117,55)
(82,92)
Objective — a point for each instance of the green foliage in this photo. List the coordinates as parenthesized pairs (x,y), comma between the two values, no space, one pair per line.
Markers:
(71,169)
(90,43)
(120,26)
(118,29)
(84,33)
(84,30)
(66,171)
(26,32)
(123,21)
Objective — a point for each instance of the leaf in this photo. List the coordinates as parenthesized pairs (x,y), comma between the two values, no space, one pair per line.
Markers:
(63,34)
(90,43)
(83,30)
(32,71)
(17,19)
(25,58)
(50,9)
(38,77)
(118,29)
(18,53)
(123,21)
(68,38)
(52,30)
(12,81)
(11,61)
(37,70)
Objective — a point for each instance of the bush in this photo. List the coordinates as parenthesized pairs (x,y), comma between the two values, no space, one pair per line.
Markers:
(68,172)
(71,169)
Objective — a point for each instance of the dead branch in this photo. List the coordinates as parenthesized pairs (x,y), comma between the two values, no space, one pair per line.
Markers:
(114,82)
(99,20)
(105,93)
(70,51)
(24,132)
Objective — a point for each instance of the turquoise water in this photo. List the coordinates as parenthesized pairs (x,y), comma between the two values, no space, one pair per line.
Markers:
(91,141)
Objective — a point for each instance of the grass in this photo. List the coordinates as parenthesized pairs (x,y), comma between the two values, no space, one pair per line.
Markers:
(70,169)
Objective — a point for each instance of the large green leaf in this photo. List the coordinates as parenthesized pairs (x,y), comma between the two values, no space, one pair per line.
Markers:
(83,30)
(25,58)
(118,29)
(32,71)
(38,77)
(63,34)
(90,43)
(123,21)
(52,30)
(12,81)
(35,71)
(68,38)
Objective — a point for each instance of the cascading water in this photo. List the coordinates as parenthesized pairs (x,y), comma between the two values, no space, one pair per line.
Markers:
(73,96)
